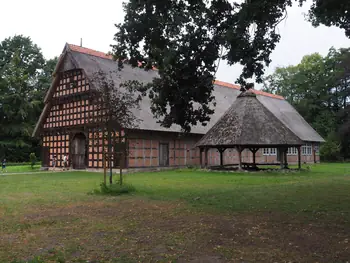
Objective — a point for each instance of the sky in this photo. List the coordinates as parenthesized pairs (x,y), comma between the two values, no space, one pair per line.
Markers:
(50,24)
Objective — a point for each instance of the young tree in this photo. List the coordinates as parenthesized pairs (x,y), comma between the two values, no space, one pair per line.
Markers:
(184,39)
(117,102)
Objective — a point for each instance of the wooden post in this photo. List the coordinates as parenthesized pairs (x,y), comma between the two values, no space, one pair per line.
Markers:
(239,150)
(285,158)
(254,150)
(281,157)
(221,151)
(206,157)
(299,157)
(201,157)
(314,152)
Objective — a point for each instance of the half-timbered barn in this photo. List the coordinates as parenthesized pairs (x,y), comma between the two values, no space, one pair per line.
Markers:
(71,122)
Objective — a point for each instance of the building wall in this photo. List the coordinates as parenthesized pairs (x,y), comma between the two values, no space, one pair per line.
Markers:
(144,149)
(73,110)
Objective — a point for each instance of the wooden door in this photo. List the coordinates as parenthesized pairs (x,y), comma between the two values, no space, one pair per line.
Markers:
(45,158)
(79,151)
(163,154)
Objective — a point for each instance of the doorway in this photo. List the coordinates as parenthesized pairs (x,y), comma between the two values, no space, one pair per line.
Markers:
(164,154)
(79,151)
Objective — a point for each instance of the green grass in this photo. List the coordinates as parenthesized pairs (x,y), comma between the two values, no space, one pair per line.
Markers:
(325,187)
(181,214)
(21,168)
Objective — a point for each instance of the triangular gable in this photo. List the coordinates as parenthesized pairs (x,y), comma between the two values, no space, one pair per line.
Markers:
(65,63)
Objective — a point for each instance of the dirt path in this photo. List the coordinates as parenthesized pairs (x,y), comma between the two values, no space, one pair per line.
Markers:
(133,230)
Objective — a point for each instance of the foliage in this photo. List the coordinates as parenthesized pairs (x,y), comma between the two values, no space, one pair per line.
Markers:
(117,104)
(115,189)
(24,78)
(185,40)
(32,158)
(319,88)
(330,150)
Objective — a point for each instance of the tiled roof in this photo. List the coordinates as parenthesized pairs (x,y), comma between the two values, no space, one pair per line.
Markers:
(217,82)
(89,51)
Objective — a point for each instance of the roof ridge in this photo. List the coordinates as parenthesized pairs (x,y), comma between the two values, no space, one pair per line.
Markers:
(100,54)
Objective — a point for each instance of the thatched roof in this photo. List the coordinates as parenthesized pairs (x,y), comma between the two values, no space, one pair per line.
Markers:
(248,123)
(225,94)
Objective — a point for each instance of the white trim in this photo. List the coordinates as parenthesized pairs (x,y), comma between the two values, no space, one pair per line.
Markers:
(292,151)
(269,151)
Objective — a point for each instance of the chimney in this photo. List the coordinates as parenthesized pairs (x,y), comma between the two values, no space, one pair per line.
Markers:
(81,42)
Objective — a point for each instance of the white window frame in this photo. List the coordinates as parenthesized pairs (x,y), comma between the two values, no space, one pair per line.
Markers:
(269,151)
(306,149)
(292,151)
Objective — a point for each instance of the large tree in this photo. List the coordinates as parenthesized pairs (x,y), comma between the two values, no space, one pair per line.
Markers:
(319,88)
(24,77)
(185,39)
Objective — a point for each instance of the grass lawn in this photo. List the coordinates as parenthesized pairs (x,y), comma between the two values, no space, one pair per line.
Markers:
(178,216)
(21,168)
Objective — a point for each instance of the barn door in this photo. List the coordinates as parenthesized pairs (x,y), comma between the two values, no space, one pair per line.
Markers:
(45,158)
(163,154)
(79,151)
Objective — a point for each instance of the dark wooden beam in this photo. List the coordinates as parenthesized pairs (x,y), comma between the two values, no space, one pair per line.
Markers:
(221,151)
(281,153)
(299,157)
(201,157)
(206,157)
(239,150)
(314,152)
(285,158)
(254,150)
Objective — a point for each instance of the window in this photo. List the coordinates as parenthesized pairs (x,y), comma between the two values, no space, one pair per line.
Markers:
(292,151)
(317,149)
(269,151)
(306,149)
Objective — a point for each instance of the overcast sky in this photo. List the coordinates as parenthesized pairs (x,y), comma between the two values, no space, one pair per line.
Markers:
(51,24)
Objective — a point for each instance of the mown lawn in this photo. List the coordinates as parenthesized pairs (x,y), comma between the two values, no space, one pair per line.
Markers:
(21,169)
(179,216)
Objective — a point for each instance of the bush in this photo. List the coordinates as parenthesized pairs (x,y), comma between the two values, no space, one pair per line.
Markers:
(330,150)
(115,189)
(32,159)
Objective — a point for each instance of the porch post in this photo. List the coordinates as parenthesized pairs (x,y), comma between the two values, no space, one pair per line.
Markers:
(201,157)
(239,150)
(299,157)
(314,152)
(285,158)
(221,150)
(206,157)
(254,150)
(281,150)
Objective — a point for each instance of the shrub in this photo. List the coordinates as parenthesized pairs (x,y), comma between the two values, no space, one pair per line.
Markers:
(32,159)
(115,189)
(330,150)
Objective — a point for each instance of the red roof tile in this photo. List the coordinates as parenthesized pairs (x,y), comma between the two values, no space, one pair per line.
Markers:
(89,51)
(217,82)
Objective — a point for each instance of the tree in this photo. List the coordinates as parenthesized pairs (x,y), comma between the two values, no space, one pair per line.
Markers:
(319,88)
(117,105)
(185,40)
(24,75)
